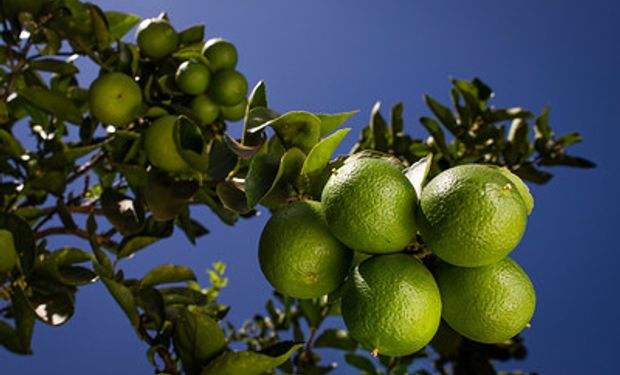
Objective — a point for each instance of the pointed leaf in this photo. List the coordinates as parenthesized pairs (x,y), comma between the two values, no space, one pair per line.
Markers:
(22,237)
(197,339)
(53,307)
(361,363)
(100,27)
(288,173)
(8,338)
(434,129)
(335,338)
(379,129)
(251,363)
(295,129)
(417,173)
(396,119)
(52,102)
(505,114)
(9,145)
(24,319)
(443,113)
(242,150)
(261,176)
(167,273)
(54,66)
(258,97)
(318,159)
(125,213)
(125,300)
(232,197)
(330,122)
(8,255)
(120,23)
(192,34)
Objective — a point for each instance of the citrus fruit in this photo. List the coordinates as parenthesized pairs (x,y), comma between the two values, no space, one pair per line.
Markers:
(222,54)
(156,38)
(521,187)
(391,304)
(488,304)
(471,215)
(115,99)
(192,77)
(160,147)
(228,87)
(235,112)
(370,206)
(298,255)
(205,108)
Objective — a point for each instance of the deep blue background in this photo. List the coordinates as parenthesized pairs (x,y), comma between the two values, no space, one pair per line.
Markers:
(334,56)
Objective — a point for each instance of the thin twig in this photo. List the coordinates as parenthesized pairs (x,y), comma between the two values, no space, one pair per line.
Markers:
(100,239)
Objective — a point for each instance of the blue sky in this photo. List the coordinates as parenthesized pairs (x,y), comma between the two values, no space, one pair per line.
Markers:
(335,56)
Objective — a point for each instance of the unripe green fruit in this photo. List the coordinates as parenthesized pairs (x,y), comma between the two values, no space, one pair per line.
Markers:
(115,99)
(235,112)
(228,87)
(156,38)
(222,55)
(192,77)
(206,109)
(161,148)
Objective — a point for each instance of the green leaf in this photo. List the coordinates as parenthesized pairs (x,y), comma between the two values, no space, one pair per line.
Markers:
(100,27)
(254,124)
(197,339)
(543,131)
(192,228)
(192,34)
(531,173)
(54,66)
(8,338)
(124,213)
(191,144)
(167,273)
(261,176)
(153,231)
(417,172)
(9,145)
(361,363)
(335,338)
(120,23)
(125,300)
(52,102)
(24,320)
(243,151)
(209,197)
(22,237)
(232,197)
(53,305)
(296,129)
(330,122)
(396,120)
(8,255)
(443,113)
(191,51)
(286,177)
(470,94)
(318,159)
(258,97)
(60,266)
(183,296)
(569,139)
(151,301)
(506,114)
(434,129)
(379,129)
(251,363)
(4,112)
(569,161)
(518,146)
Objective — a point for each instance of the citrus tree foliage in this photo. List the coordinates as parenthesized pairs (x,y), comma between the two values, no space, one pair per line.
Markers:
(79,177)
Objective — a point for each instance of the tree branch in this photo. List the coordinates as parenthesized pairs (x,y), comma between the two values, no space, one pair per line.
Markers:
(100,239)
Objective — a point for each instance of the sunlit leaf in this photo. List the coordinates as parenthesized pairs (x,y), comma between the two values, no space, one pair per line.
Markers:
(120,23)
(330,122)
(251,363)
(124,298)
(197,339)
(416,173)
(167,273)
(52,102)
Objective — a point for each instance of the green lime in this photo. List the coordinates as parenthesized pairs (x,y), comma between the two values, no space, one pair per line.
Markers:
(235,112)
(192,77)
(205,108)
(471,215)
(370,206)
(519,185)
(222,54)
(156,38)
(488,304)
(160,147)
(115,99)
(298,255)
(391,304)
(228,87)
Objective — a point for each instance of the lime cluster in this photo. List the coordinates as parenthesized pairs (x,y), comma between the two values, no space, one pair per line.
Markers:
(176,91)
(470,217)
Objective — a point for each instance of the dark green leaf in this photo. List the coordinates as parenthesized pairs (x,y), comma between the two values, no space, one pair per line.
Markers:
(125,300)
(569,139)
(22,237)
(484,92)
(151,302)
(330,122)
(4,112)
(124,213)
(24,319)
(120,23)
(361,363)
(569,161)
(8,339)
(54,306)
(508,114)
(253,124)
(183,296)
(261,176)
(167,273)
(226,160)
(335,338)
(100,27)
(210,198)
(153,231)
(192,228)
(443,113)
(470,94)
(251,363)
(286,177)
(396,119)
(232,197)
(52,102)
(518,146)
(434,129)
(60,266)
(191,144)
(9,259)
(65,216)
(530,173)
(541,126)
(192,34)
(9,145)
(54,66)
(258,97)
(197,339)
(379,129)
